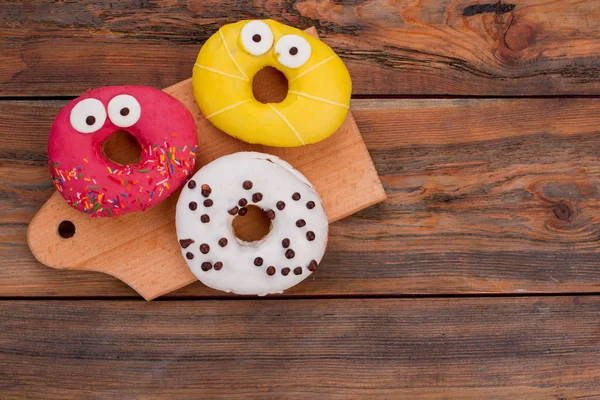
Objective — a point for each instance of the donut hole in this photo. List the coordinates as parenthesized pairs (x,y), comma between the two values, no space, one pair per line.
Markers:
(253,226)
(66,229)
(269,85)
(122,148)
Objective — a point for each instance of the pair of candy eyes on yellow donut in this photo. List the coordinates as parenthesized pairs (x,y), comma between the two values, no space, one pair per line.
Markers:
(257,38)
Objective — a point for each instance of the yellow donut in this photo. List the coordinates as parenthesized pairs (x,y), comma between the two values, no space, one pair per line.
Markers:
(319,84)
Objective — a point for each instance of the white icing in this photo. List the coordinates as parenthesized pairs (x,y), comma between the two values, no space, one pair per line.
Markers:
(277,181)
(261,29)
(81,112)
(120,102)
(286,44)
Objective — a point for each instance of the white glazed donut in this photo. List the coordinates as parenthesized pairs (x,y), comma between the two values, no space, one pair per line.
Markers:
(223,189)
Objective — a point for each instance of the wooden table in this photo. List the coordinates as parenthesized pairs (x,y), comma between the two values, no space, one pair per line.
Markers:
(479,277)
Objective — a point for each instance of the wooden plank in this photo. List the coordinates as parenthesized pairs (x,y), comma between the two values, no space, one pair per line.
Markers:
(481,348)
(485,196)
(464,47)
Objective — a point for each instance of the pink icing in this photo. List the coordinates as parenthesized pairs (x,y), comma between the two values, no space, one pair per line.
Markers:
(93,184)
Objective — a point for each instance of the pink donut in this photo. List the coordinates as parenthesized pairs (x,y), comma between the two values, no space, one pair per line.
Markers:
(89,181)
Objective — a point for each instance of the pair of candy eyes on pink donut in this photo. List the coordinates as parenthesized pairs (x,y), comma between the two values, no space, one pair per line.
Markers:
(89,115)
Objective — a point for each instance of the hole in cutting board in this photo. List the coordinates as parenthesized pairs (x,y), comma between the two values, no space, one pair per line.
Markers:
(253,226)
(122,148)
(269,85)
(66,229)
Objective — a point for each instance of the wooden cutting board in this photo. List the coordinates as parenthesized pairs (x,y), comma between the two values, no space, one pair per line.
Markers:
(141,249)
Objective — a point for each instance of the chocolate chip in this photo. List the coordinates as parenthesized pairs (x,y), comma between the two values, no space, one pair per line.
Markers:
(310,205)
(289,254)
(271,271)
(189,256)
(285,243)
(300,223)
(223,242)
(192,184)
(205,218)
(185,243)
(258,261)
(310,236)
(270,214)
(296,196)
(206,266)
(312,265)
(90,120)
(218,265)
(206,190)
(242,202)
(243,211)
(233,211)
(293,51)
(193,205)
(124,111)
(298,271)
(256,38)
(280,205)
(256,197)
(285,271)
(204,248)
(247,185)
(208,203)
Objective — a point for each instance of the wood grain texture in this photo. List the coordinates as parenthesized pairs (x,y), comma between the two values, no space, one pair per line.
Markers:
(485,196)
(459,47)
(487,348)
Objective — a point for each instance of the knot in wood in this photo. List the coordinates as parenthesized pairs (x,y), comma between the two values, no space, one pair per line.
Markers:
(562,210)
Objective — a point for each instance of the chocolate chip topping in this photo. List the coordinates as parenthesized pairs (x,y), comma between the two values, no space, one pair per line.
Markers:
(193,205)
(271,271)
(300,223)
(243,211)
(298,271)
(242,202)
(247,185)
(289,254)
(310,205)
(185,243)
(310,236)
(206,266)
(204,248)
(258,261)
(189,256)
(90,120)
(293,51)
(233,211)
(296,196)
(206,190)
(208,203)
(285,243)
(280,205)
(124,111)
(285,271)
(256,38)
(270,214)
(223,242)
(312,265)
(205,218)
(218,265)
(192,184)
(256,197)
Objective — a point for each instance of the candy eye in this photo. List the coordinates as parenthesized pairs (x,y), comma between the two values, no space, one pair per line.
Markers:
(124,110)
(88,116)
(293,51)
(257,37)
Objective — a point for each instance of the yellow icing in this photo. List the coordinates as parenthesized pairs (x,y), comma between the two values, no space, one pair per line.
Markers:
(315,107)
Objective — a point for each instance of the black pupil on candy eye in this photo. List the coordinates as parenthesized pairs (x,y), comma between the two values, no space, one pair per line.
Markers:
(124,111)
(256,38)
(294,51)
(90,120)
